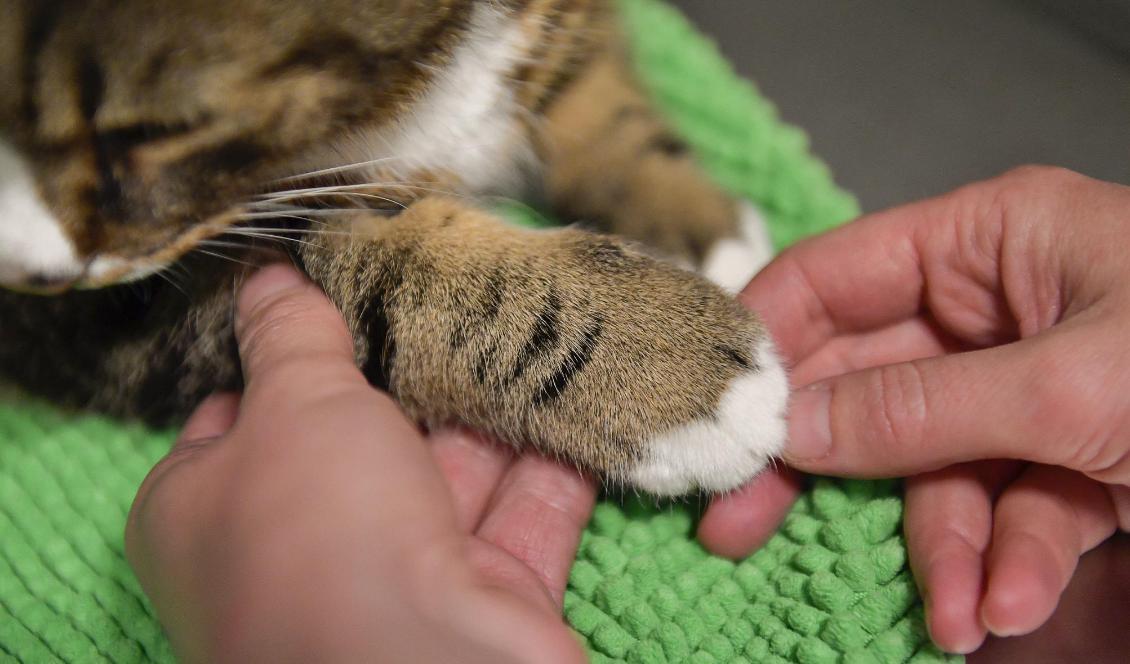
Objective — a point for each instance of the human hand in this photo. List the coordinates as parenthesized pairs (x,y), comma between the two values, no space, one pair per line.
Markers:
(310,521)
(941,340)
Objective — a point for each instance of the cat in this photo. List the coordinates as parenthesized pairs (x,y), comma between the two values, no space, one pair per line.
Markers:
(150,150)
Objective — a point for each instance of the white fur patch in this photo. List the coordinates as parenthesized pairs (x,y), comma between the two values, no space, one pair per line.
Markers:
(464,123)
(32,244)
(727,450)
(732,262)
(111,269)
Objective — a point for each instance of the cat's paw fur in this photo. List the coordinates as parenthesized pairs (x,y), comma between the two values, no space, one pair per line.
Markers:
(727,448)
(570,342)
(733,261)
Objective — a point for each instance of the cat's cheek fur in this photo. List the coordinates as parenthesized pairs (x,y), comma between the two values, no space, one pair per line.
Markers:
(464,125)
(733,261)
(723,451)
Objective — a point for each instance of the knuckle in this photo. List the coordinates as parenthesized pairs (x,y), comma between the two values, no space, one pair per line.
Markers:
(158,501)
(1065,385)
(276,322)
(1070,405)
(274,314)
(1102,452)
(898,406)
(1040,176)
(1029,188)
(1063,405)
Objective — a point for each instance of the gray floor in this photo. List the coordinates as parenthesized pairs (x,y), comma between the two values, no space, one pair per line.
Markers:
(907,98)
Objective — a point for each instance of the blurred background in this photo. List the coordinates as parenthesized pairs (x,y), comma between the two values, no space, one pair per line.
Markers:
(908,98)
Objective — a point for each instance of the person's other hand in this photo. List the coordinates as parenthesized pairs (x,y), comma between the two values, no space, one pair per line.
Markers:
(310,521)
(938,339)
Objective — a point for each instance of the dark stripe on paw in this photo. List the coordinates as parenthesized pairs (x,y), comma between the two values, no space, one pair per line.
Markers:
(574,363)
(478,317)
(543,339)
(737,357)
(487,357)
(606,255)
(666,144)
(381,345)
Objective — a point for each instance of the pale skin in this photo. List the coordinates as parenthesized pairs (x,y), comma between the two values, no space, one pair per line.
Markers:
(977,343)
(308,520)
(933,340)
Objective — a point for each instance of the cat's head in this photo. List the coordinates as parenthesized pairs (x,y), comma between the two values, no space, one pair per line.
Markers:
(131,129)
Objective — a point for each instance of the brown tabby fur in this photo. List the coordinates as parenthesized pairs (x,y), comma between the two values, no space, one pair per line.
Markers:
(149,124)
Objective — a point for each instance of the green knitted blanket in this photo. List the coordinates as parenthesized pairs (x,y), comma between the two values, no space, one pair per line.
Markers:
(832,586)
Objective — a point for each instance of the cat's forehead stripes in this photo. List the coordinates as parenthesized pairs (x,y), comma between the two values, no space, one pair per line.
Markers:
(138,130)
(164,114)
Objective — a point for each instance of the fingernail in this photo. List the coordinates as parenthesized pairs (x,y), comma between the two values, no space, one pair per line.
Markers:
(999,629)
(266,283)
(968,646)
(810,428)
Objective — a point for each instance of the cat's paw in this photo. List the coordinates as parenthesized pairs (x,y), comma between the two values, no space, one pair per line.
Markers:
(733,261)
(728,447)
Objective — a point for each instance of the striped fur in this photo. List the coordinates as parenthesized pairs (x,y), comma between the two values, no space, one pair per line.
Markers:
(363,133)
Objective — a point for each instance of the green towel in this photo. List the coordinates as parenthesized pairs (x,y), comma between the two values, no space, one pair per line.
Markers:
(833,586)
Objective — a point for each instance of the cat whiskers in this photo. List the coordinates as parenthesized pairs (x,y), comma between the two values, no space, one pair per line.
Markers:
(267,234)
(166,274)
(287,194)
(276,201)
(283,234)
(334,170)
(220,256)
(225,245)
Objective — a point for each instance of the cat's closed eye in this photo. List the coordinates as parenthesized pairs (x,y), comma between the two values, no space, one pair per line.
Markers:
(120,140)
(168,142)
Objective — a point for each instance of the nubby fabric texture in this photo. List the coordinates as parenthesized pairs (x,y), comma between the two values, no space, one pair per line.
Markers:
(832,586)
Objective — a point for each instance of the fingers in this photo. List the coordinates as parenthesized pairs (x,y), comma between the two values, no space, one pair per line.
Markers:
(1042,524)
(738,523)
(537,515)
(1038,400)
(473,468)
(858,277)
(1120,498)
(877,270)
(211,419)
(948,526)
(904,341)
(289,330)
(307,411)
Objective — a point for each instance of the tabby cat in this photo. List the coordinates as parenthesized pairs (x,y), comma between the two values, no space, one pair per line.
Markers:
(150,150)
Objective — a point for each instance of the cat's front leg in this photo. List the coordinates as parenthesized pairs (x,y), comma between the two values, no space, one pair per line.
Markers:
(613,162)
(565,340)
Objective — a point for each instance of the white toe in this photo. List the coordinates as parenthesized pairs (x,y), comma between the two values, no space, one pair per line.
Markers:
(723,452)
(733,261)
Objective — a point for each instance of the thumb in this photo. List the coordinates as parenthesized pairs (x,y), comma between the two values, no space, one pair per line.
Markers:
(290,333)
(1019,401)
